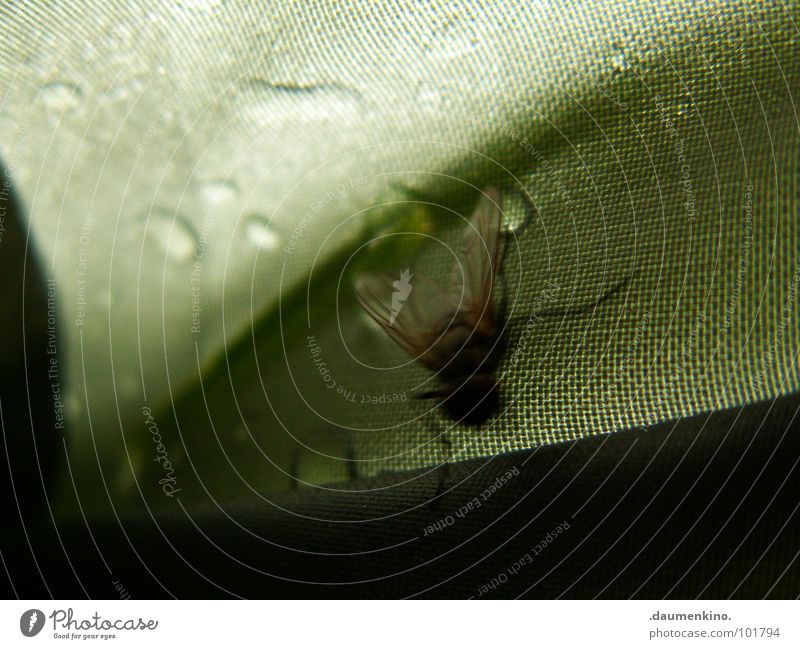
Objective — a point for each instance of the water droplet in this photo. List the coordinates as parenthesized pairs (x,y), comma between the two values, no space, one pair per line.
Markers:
(518,210)
(428,96)
(119,93)
(259,232)
(458,39)
(201,5)
(60,96)
(219,191)
(275,104)
(618,61)
(172,232)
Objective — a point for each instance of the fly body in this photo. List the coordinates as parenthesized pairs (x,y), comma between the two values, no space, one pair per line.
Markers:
(450,328)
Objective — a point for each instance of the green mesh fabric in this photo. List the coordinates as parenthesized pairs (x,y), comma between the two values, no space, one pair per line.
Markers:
(655,143)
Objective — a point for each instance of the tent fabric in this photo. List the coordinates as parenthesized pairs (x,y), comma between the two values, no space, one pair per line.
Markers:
(702,507)
(199,184)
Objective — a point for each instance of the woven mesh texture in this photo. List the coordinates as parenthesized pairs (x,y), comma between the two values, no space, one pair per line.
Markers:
(655,146)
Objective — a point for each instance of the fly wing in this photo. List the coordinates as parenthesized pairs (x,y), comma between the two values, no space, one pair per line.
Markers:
(477,258)
(417,321)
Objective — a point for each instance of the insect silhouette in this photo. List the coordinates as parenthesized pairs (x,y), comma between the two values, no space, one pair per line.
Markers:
(453,329)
